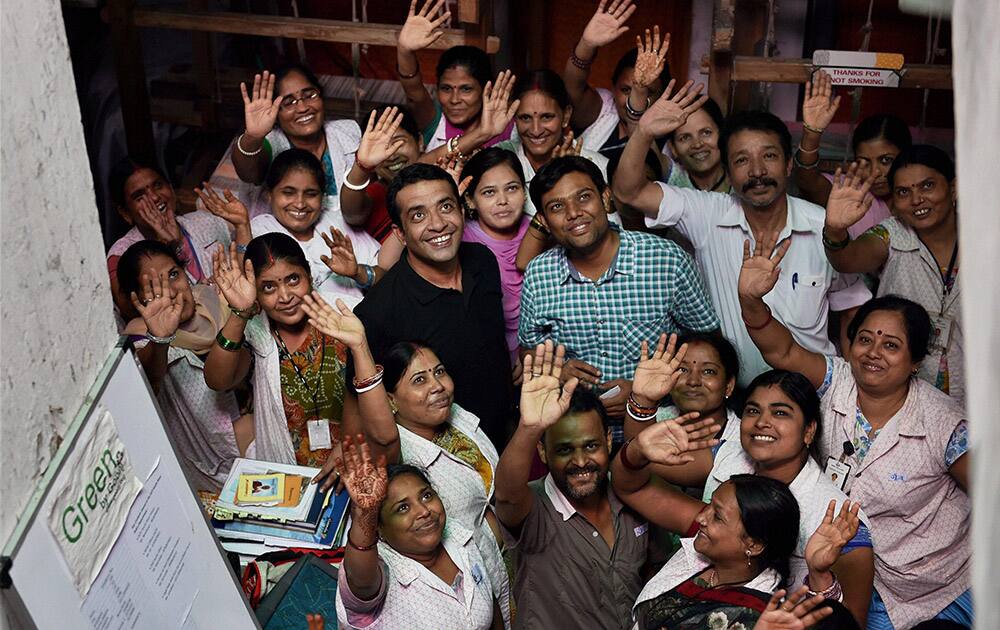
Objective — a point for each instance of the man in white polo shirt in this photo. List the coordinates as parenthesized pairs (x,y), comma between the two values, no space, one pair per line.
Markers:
(756,152)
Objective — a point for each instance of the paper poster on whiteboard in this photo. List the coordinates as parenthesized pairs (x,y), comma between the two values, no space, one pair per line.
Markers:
(90,501)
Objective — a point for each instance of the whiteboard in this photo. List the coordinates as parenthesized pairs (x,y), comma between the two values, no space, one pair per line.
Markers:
(40,575)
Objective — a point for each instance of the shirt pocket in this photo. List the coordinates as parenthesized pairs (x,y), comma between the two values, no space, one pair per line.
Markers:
(803,300)
(638,330)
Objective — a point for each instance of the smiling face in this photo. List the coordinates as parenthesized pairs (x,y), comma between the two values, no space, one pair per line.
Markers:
(880,354)
(721,535)
(576,212)
(280,289)
(696,143)
(424,392)
(296,202)
(922,198)
(432,220)
(540,122)
(703,385)
(758,167)
(773,430)
(405,155)
(577,451)
(304,118)
(460,96)
(499,200)
(876,154)
(412,517)
(146,182)
(158,264)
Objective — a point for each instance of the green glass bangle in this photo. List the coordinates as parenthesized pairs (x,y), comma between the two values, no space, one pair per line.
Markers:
(228,344)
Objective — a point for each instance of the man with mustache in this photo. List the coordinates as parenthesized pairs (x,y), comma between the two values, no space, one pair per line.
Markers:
(578,550)
(445,293)
(756,153)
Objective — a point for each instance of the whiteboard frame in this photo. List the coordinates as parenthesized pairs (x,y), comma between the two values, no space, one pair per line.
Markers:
(28,518)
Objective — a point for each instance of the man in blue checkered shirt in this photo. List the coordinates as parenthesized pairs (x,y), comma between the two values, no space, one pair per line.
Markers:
(603,290)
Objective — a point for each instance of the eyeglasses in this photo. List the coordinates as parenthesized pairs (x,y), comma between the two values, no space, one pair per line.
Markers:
(290,101)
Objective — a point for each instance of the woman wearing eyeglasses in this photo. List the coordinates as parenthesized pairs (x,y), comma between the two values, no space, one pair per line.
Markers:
(284,110)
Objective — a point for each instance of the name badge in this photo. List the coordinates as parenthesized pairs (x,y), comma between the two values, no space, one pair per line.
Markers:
(641,529)
(837,471)
(319,435)
(940,333)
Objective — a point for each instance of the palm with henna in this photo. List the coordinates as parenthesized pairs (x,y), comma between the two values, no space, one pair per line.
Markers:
(760,271)
(366,480)
(670,111)
(543,399)
(850,198)
(656,374)
(652,55)
(234,279)
(340,322)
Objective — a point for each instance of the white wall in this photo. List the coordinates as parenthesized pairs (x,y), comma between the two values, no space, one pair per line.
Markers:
(56,324)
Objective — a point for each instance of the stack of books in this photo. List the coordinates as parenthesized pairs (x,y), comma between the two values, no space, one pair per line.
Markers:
(266,506)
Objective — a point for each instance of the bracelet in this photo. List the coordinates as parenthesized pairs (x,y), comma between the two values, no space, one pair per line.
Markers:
(246,314)
(625,460)
(361,383)
(811,128)
(834,591)
(242,249)
(633,114)
(835,245)
(400,74)
(351,544)
(798,162)
(808,151)
(369,277)
(538,225)
(582,64)
(453,150)
(240,148)
(358,187)
(635,416)
(163,341)
(228,344)
(767,321)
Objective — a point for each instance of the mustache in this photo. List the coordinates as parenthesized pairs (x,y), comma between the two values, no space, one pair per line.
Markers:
(759,181)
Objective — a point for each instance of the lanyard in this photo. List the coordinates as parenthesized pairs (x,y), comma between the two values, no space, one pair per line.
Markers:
(284,354)
(948,277)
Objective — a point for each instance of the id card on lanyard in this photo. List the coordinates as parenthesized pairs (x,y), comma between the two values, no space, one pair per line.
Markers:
(838,470)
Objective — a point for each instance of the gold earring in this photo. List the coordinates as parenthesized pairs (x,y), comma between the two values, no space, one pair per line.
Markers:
(392,407)
(748,558)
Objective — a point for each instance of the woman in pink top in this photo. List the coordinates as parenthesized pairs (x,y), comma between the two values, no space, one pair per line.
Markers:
(896,443)
(876,142)
(495,200)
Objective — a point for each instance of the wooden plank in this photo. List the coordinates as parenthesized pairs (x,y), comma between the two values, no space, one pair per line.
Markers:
(720,57)
(281,26)
(468,11)
(131,76)
(745,68)
(203,56)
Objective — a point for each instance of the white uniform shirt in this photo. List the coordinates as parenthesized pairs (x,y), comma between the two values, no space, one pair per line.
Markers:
(807,289)
(412,597)
(811,488)
(328,284)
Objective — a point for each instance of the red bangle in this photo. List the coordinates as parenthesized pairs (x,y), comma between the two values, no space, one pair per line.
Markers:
(767,321)
(365,167)
(625,461)
(351,544)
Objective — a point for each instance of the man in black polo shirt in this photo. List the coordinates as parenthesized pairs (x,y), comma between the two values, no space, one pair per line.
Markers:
(444,293)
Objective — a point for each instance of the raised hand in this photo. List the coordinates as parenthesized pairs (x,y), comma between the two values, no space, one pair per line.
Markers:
(652,56)
(667,113)
(497,112)
(543,400)
(656,374)
(235,280)
(159,307)
(671,442)
(260,108)
(163,224)
(760,271)
(567,146)
(366,481)
(823,547)
(608,24)
(817,107)
(341,259)
(850,197)
(340,323)
(423,28)
(230,209)
(377,144)
(797,612)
